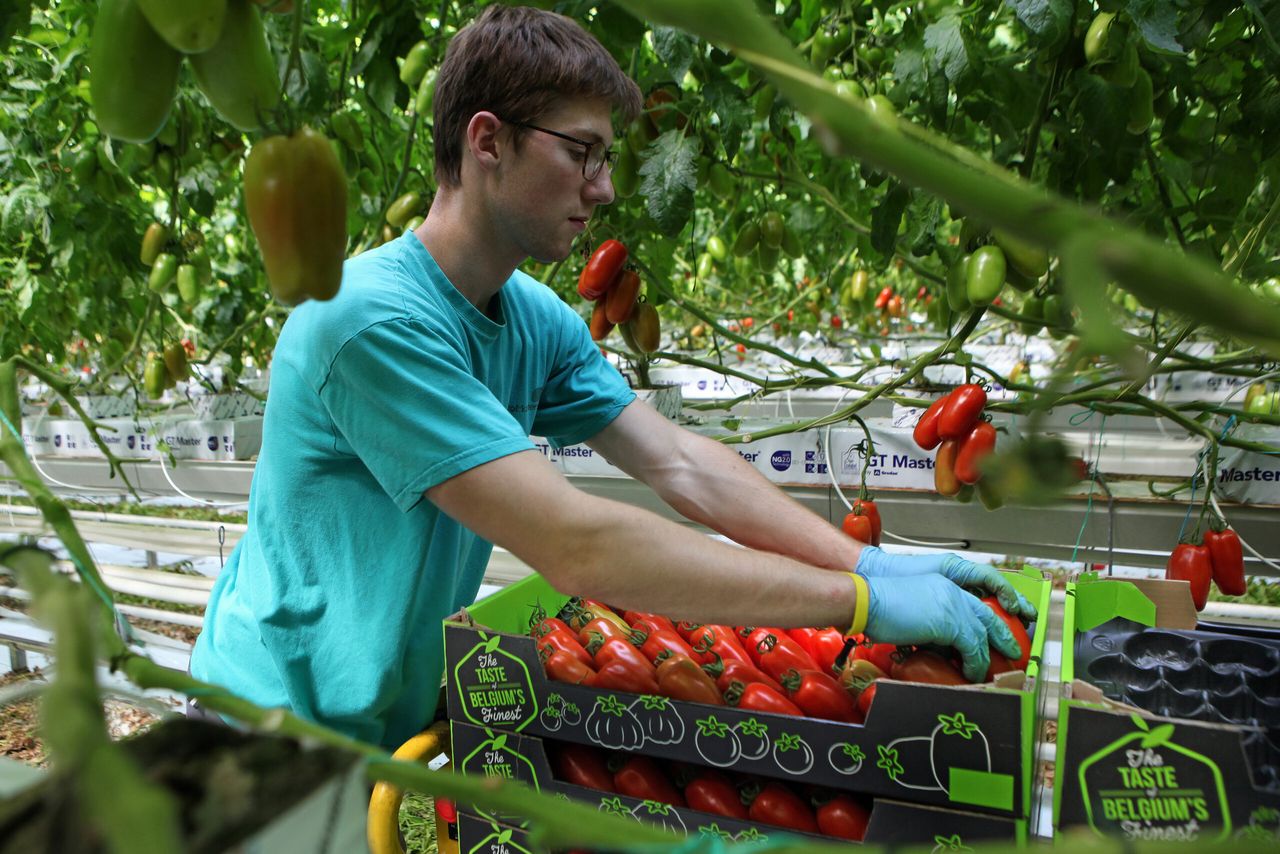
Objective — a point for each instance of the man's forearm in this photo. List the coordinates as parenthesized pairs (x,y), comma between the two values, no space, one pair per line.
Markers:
(633,558)
(722,491)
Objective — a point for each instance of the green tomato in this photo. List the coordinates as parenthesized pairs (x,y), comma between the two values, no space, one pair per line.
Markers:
(882,111)
(188,283)
(768,256)
(133,73)
(957,284)
(192,26)
(1033,310)
(626,173)
(1027,258)
(706,266)
(716,248)
(746,240)
(1098,46)
(162,271)
(771,229)
(791,243)
(720,179)
(238,74)
(415,64)
(984,277)
(1265,404)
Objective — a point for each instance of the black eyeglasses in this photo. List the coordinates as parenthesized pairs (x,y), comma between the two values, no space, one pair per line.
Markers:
(594,159)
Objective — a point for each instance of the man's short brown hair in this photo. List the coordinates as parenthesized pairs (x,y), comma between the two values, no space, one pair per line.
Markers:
(517,62)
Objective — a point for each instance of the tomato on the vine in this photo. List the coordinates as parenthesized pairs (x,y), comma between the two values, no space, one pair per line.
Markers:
(296,195)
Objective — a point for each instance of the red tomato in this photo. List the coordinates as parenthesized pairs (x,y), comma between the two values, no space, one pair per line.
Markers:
(659,642)
(865,699)
(844,818)
(961,412)
(563,667)
(827,646)
(557,641)
(657,620)
(867,507)
(730,670)
(820,696)
(759,697)
(977,446)
(882,298)
(1000,664)
(945,481)
(858,527)
(582,766)
(1194,564)
(779,806)
(640,777)
(784,654)
(712,792)
(616,649)
(1227,556)
(602,270)
(882,655)
(600,630)
(547,624)
(929,668)
(680,679)
(621,676)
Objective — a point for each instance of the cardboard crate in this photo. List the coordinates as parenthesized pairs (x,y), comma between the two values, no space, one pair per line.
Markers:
(962,748)
(1131,772)
(497,753)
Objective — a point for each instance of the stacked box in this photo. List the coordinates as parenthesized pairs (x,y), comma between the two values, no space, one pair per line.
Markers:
(1167,729)
(497,753)
(956,755)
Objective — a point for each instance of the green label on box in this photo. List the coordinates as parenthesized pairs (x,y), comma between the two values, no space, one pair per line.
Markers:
(1143,786)
(495,686)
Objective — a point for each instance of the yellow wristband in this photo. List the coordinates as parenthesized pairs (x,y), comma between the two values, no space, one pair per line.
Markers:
(860,603)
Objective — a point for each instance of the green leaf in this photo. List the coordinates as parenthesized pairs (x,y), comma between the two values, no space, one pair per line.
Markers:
(1048,20)
(908,67)
(887,217)
(675,49)
(1159,736)
(669,181)
(725,99)
(945,45)
(1157,20)
(1105,107)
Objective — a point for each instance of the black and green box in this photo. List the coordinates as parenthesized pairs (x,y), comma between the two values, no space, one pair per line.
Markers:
(1166,729)
(964,748)
(503,754)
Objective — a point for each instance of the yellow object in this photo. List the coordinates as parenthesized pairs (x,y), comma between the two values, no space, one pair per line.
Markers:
(859,605)
(383,825)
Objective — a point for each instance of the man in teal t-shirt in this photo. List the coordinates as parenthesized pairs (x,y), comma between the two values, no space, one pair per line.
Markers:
(396,444)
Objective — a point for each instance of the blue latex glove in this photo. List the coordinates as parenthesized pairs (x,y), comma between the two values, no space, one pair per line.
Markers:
(875,563)
(930,608)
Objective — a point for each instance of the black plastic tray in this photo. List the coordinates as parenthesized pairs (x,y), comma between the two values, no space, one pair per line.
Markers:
(1211,674)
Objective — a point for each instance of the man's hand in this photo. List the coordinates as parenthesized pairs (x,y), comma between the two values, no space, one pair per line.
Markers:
(874,563)
(930,608)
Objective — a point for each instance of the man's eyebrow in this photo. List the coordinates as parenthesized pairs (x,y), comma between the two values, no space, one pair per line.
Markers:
(585,133)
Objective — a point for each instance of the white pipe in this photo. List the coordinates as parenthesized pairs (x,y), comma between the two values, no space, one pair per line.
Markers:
(155,576)
(177,618)
(130,519)
(1242,611)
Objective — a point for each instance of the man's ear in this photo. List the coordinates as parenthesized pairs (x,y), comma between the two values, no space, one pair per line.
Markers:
(483,139)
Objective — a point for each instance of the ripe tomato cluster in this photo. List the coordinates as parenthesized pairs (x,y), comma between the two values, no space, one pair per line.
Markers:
(862,522)
(954,425)
(807,672)
(1218,558)
(736,796)
(615,290)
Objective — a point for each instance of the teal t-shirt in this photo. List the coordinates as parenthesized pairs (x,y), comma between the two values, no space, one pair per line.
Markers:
(332,601)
